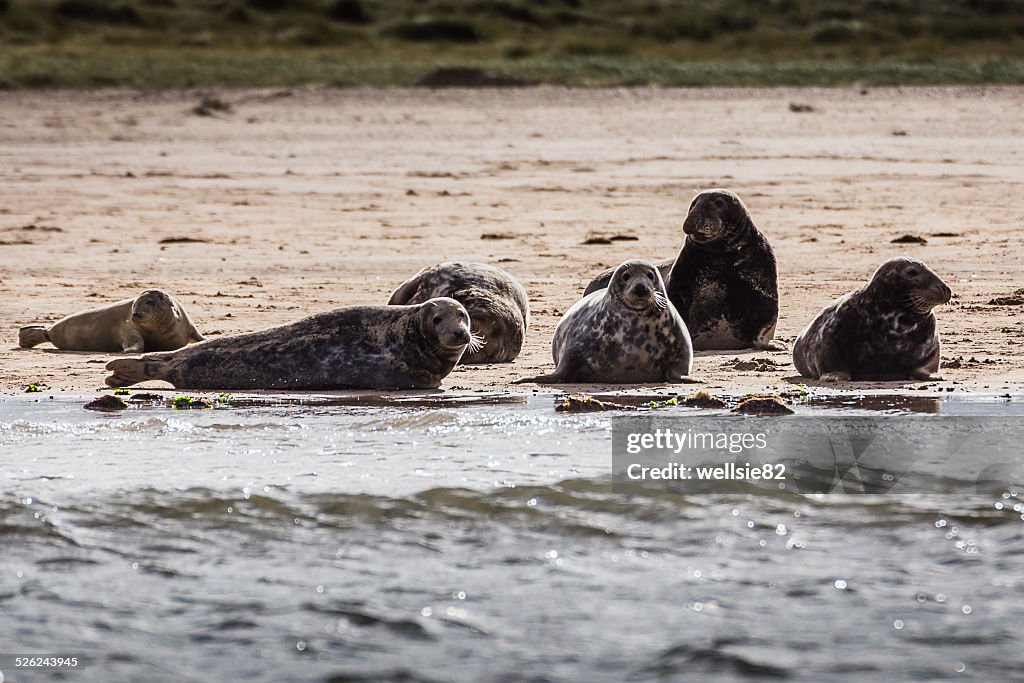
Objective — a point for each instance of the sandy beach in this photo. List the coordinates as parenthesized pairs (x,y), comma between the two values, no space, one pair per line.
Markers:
(288,203)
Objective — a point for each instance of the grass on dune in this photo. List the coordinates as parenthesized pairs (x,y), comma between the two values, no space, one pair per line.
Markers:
(182,69)
(182,43)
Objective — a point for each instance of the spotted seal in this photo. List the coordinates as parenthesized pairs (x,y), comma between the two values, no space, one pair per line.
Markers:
(498,307)
(362,347)
(628,332)
(883,331)
(724,281)
(152,321)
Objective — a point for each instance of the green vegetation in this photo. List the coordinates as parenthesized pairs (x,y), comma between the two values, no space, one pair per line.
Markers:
(33,388)
(187,403)
(654,405)
(191,43)
(122,391)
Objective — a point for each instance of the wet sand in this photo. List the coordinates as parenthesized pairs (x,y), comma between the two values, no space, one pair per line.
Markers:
(295,202)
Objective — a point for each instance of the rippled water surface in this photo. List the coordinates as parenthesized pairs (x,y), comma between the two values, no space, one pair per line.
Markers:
(470,542)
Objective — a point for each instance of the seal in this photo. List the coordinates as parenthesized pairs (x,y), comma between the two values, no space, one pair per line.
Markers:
(362,347)
(724,281)
(883,331)
(628,332)
(152,321)
(497,304)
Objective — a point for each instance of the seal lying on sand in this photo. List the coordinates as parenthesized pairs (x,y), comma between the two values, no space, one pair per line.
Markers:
(724,281)
(882,331)
(153,321)
(497,305)
(363,347)
(626,333)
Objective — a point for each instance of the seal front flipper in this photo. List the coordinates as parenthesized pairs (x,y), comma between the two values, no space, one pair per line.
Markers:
(928,370)
(765,339)
(128,371)
(835,376)
(132,340)
(553,378)
(32,335)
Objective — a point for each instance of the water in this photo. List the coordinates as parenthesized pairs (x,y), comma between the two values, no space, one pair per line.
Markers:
(477,541)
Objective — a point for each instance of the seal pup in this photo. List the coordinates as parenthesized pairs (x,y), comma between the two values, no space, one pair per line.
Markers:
(628,332)
(724,282)
(497,304)
(362,347)
(882,331)
(152,321)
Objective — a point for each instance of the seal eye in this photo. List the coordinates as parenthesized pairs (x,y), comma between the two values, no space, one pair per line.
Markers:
(625,277)
(913,272)
(437,320)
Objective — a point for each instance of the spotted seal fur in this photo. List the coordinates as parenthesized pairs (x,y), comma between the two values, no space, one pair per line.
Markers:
(885,330)
(724,281)
(628,332)
(497,304)
(362,347)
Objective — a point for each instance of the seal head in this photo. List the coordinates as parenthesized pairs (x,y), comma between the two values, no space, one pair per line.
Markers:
(445,325)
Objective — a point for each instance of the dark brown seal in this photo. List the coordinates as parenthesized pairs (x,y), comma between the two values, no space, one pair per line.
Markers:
(152,321)
(628,332)
(497,305)
(724,282)
(882,331)
(363,347)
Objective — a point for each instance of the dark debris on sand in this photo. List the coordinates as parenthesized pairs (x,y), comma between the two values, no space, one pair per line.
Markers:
(208,106)
(702,399)
(582,403)
(106,404)
(909,239)
(762,405)
(462,77)
(1015,299)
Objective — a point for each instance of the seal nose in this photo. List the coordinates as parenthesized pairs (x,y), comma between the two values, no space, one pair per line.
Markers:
(462,336)
(689,225)
(947,293)
(641,290)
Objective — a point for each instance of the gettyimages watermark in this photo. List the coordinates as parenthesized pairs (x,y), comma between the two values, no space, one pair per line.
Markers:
(859,455)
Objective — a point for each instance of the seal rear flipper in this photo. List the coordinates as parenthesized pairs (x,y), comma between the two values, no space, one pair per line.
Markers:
(128,371)
(553,378)
(406,291)
(32,335)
